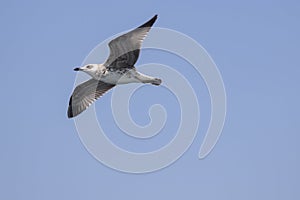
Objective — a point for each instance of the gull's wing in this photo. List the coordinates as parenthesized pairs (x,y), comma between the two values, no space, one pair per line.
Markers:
(125,49)
(85,94)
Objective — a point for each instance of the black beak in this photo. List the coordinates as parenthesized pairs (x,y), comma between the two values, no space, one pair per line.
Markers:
(77,69)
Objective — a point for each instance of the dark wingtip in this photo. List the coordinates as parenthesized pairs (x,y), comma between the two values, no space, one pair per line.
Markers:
(70,111)
(149,23)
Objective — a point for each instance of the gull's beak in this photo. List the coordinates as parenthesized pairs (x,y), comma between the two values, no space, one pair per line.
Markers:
(77,69)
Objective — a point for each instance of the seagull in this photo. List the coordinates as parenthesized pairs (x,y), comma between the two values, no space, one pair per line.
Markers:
(117,69)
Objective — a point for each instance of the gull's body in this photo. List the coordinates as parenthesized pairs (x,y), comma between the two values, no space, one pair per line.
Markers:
(119,76)
(118,69)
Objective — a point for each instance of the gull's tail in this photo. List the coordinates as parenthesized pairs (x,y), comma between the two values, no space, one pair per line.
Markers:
(147,79)
(156,81)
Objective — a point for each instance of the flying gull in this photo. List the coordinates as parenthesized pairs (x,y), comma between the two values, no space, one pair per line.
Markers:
(117,69)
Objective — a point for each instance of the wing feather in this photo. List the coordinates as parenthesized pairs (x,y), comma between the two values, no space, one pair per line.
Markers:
(125,49)
(85,94)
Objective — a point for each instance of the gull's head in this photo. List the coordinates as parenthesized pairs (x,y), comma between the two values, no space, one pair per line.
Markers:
(89,68)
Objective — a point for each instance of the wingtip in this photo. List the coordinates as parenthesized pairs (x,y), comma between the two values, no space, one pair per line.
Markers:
(70,113)
(150,22)
(70,110)
(154,18)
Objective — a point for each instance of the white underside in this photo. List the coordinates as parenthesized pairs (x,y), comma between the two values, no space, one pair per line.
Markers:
(131,76)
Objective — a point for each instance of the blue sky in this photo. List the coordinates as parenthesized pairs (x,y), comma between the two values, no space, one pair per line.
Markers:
(255,46)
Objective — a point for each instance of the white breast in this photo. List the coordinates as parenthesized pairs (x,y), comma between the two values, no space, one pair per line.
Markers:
(115,77)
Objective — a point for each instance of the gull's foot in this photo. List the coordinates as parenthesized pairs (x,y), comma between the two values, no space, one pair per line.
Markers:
(156,81)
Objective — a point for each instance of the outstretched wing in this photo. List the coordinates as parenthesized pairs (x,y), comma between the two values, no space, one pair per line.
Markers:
(85,94)
(125,49)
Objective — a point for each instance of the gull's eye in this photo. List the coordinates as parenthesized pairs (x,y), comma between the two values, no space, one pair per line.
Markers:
(89,66)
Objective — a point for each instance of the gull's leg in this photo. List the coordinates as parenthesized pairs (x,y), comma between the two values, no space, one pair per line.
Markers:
(147,79)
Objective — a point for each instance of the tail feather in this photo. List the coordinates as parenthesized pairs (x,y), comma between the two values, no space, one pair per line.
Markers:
(156,81)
